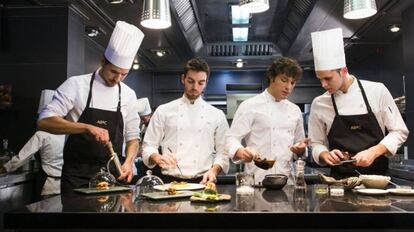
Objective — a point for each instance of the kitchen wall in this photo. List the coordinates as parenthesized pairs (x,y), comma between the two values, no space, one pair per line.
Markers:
(34,56)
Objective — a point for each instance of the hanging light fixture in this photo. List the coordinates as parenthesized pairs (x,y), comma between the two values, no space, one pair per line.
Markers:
(359,9)
(156,14)
(255,6)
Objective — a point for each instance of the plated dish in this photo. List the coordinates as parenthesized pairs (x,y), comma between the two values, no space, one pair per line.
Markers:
(369,191)
(405,192)
(180,187)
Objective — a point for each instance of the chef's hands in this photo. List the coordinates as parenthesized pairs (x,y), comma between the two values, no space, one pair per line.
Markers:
(366,157)
(126,172)
(245,154)
(300,147)
(167,160)
(211,175)
(332,158)
(363,158)
(100,134)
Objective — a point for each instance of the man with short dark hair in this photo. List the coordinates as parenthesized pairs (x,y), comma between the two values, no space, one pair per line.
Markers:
(95,109)
(352,115)
(189,131)
(271,125)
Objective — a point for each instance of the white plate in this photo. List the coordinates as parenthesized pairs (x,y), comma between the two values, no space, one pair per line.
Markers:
(369,191)
(189,186)
(393,191)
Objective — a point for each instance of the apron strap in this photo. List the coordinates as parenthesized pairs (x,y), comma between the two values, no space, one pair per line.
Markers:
(363,95)
(90,90)
(334,104)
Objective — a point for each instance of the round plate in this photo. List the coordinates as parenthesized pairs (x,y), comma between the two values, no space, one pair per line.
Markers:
(369,191)
(189,186)
(393,191)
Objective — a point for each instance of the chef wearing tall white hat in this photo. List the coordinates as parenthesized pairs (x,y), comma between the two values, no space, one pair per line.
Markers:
(349,120)
(144,107)
(97,108)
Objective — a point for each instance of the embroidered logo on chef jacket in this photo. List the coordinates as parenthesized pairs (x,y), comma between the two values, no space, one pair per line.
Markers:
(356,127)
(101,122)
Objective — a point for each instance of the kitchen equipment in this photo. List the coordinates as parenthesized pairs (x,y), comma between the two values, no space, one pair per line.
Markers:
(114,158)
(146,184)
(263,163)
(346,161)
(274,181)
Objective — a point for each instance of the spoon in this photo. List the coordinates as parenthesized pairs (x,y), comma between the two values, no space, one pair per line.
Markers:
(396,185)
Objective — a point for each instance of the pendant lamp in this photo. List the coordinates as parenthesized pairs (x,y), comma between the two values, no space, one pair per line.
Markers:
(156,14)
(359,9)
(255,6)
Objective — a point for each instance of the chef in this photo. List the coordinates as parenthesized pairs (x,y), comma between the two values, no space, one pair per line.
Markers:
(97,108)
(50,148)
(270,125)
(190,132)
(352,115)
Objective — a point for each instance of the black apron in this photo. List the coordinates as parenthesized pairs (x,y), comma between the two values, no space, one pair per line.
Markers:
(83,156)
(355,133)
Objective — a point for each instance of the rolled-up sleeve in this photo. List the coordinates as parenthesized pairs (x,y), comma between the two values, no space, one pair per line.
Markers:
(63,100)
(221,157)
(240,127)
(132,119)
(153,137)
(300,132)
(393,122)
(319,140)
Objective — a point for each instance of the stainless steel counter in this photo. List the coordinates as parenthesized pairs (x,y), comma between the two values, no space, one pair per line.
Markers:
(275,210)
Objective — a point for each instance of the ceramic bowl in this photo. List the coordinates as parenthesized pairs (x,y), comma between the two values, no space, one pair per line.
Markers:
(274,181)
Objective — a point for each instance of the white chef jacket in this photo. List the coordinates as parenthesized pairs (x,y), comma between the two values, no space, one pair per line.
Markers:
(269,127)
(194,132)
(50,148)
(352,103)
(70,100)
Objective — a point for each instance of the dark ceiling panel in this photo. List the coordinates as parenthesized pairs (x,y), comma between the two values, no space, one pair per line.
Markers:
(203,28)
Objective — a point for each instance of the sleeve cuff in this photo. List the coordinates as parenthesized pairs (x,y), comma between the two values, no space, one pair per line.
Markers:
(316,150)
(146,153)
(389,145)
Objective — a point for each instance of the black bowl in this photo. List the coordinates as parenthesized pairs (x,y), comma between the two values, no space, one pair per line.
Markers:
(274,181)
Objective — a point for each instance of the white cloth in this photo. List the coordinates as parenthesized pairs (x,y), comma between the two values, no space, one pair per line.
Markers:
(194,132)
(71,97)
(269,128)
(328,49)
(50,148)
(352,103)
(123,45)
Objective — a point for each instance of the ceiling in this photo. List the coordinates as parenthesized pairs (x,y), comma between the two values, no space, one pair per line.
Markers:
(203,28)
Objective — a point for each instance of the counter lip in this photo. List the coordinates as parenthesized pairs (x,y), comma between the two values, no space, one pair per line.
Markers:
(220,220)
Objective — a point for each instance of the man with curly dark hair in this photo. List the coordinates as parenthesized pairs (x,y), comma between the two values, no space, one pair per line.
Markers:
(270,125)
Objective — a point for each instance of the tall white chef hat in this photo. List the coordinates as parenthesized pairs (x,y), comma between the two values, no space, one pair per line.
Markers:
(46,97)
(143,106)
(328,49)
(123,45)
